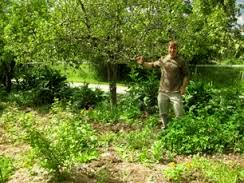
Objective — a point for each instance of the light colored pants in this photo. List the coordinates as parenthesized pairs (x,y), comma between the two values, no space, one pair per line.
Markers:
(165,98)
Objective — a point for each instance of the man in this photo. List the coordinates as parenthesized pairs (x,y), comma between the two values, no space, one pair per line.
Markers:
(173,82)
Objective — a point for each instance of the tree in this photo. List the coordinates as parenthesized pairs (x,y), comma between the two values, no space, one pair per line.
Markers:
(7,59)
(114,31)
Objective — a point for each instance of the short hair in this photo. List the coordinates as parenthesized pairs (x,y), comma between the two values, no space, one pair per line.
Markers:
(172,43)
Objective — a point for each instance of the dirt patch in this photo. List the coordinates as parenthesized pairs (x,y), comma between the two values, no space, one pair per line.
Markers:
(107,127)
(23,175)
(13,150)
(111,169)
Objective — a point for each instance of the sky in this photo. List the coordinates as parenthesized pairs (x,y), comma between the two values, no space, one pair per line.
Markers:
(240,19)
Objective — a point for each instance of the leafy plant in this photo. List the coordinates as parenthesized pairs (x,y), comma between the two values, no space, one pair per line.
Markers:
(6,168)
(142,92)
(86,98)
(135,145)
(105,114)
(62,145)
(44,82)
(190,135)
(66,139)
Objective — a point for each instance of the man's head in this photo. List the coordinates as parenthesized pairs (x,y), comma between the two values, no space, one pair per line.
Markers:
(172,49)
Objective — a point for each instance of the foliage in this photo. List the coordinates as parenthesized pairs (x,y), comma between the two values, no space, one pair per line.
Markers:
(44,82)
(214,74)
(213,123)
(136,145)
(138,139)
(6,168)
(83,73)
(203,170)
(143,92)
(66,139)
(115,31)
(205,99)
(85,98)
(104,114)
(198,96)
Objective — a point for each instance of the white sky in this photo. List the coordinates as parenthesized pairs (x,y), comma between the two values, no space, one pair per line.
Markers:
(240,19)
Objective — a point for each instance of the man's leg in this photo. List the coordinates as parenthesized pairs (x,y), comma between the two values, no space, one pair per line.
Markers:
(163,105)
(177,102)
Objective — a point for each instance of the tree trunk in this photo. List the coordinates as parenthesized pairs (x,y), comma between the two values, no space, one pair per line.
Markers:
(112,78)
(7,75)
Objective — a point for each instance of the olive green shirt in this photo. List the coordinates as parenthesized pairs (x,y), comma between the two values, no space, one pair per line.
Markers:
(173,71)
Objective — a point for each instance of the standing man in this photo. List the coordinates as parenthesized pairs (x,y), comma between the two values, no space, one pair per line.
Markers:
(173,82)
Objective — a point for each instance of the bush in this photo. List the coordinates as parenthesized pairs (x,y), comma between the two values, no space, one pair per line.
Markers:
(85,98)
(190,135)
(70,141)
(213,123)
(143,92)
(203,170)
(44,82)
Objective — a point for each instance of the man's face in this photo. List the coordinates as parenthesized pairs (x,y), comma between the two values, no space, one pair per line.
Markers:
(172,50)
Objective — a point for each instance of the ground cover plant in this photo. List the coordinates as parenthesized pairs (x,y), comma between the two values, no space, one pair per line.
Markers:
(6,168)
(204,170)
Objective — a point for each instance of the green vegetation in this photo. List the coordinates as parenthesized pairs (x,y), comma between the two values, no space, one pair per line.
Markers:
(67,139)
(44,45)
(6,168)
(204,170)
(70,132)
(83,74)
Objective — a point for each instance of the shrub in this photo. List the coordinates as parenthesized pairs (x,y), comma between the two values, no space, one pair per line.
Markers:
(85,98)
(69,141)
(105,114)
(213,123)
(44,82)
(66,138)
(143,92)
(190,135)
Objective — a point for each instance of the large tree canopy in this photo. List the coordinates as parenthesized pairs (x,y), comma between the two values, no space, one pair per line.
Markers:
(114,31)
(43,30)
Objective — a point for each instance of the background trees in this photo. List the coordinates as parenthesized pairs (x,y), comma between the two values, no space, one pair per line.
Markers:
(112,32)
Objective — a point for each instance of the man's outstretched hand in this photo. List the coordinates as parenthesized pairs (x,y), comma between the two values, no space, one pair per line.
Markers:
(139,60)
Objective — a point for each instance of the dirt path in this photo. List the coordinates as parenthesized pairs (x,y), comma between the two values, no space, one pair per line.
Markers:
(103,87)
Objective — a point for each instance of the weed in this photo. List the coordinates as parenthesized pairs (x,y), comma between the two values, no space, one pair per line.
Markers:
(6,168)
